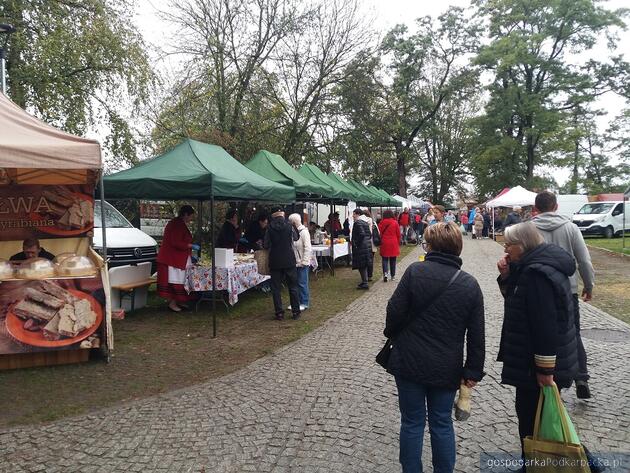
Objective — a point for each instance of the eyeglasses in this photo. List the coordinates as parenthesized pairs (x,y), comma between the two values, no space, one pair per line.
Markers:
(425,245)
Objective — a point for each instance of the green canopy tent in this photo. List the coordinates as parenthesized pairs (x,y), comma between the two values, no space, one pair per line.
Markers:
(275,168)
(357,196)
(340,194)
(376,198)
(198,171)
(388,198)
(194,170)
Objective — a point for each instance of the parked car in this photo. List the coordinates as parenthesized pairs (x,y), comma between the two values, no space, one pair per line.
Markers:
(125,243)
(602,218)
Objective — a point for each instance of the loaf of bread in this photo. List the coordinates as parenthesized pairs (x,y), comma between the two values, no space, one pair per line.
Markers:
(35,268)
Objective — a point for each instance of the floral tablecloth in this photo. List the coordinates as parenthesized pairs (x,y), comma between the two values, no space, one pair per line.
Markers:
(235,281)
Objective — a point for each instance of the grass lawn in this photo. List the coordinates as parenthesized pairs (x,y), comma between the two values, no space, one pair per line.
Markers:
(612,282)
(157,351)
(612,244)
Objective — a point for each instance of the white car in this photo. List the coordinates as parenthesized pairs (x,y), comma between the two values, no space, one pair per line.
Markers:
(125,243)
(602,218)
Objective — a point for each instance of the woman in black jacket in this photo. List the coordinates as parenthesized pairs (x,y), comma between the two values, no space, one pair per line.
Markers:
(433,309)
(362,256)
(538,341)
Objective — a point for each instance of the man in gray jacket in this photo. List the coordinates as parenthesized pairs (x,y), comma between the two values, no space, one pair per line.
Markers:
(560,230)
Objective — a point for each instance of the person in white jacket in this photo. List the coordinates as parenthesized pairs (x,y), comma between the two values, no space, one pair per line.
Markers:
(302,250)
(561,231)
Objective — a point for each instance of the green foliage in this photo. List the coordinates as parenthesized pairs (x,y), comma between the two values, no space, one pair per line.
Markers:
(75,63)
(534,85)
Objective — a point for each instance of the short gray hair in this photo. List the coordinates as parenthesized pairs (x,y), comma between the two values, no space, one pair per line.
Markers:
(524,234)
(295,219)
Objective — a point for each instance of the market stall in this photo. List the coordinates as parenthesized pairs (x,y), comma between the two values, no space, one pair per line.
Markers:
(54,294)
(516,196)
(198,171)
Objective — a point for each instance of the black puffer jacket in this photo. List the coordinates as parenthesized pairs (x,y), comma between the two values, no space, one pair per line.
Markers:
(361,245)
(538,324)
(279,240)
(429,345)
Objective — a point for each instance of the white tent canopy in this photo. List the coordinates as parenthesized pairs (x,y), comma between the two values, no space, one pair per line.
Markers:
(516,196)
(26,142)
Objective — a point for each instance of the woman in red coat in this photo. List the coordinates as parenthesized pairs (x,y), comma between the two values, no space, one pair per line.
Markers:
(173,258)
(390,244)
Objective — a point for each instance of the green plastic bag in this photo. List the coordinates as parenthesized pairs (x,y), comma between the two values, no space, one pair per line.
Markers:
(553,413)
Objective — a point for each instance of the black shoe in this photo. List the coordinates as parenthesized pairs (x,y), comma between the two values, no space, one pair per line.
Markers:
(582,390)
(279,316)
(363,285)
(297,316)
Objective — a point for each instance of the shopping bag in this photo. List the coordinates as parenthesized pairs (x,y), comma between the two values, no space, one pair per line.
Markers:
(262,260)
(462,229)
(551,418)
(554,456)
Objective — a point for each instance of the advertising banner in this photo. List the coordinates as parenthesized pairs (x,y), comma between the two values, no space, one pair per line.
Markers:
(35,211)
(51,314)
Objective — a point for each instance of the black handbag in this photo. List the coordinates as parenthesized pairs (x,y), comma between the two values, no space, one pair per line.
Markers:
(376,235)
(382,357)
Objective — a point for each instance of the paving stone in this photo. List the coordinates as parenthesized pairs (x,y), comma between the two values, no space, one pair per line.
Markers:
(320,404)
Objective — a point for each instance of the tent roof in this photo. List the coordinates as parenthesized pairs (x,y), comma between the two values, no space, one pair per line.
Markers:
(313,173)
(194,170)
(389,199)
(515,196)
(27,142)
(375,197)
(275,168)
(355,194)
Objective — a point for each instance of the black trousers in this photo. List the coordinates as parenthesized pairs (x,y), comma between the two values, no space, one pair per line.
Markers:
(389,265)
(581,352)
(363,271)
(289,275)
(370,268)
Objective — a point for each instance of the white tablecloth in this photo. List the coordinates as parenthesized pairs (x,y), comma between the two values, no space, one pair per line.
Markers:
(339,250)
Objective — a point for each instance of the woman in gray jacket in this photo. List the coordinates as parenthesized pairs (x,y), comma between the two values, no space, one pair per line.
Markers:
(302,250)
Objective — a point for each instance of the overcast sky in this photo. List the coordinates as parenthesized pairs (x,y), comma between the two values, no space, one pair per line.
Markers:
(386,13)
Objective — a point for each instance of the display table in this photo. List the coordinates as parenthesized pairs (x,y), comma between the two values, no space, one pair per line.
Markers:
(236,280)
(339,250)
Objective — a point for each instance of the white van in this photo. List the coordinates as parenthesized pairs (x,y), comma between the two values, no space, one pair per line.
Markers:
(125,243)
(602,218)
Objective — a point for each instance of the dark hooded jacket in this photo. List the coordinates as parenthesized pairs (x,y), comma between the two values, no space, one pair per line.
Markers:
(279,241)
(538,333)
(429,344)
(362,256)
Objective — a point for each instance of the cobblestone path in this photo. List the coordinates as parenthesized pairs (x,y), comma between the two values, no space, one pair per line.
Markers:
(321,405)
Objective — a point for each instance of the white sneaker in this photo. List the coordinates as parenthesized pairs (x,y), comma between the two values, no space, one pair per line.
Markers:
(385,276)
(393,278)
(303,307)
(288,307)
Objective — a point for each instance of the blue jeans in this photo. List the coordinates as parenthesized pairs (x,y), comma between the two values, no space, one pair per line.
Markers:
(412,398)
(303,284)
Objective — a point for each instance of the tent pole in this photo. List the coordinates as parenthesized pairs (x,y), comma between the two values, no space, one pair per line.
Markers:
(214,269)
(103,226)
(332,239)
(103,218)
(199,222)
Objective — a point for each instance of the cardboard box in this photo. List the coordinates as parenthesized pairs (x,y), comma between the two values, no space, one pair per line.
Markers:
(224,258)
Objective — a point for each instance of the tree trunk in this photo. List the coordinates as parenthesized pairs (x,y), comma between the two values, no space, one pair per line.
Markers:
(402,173)
(573,189)
(530,158)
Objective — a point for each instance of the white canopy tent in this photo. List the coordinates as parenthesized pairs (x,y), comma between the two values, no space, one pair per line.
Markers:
(516,196)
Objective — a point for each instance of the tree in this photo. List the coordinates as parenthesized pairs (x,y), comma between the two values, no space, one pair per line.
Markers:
(444,149)
(226,43)
(534,82)
(67,62)
(411,76)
